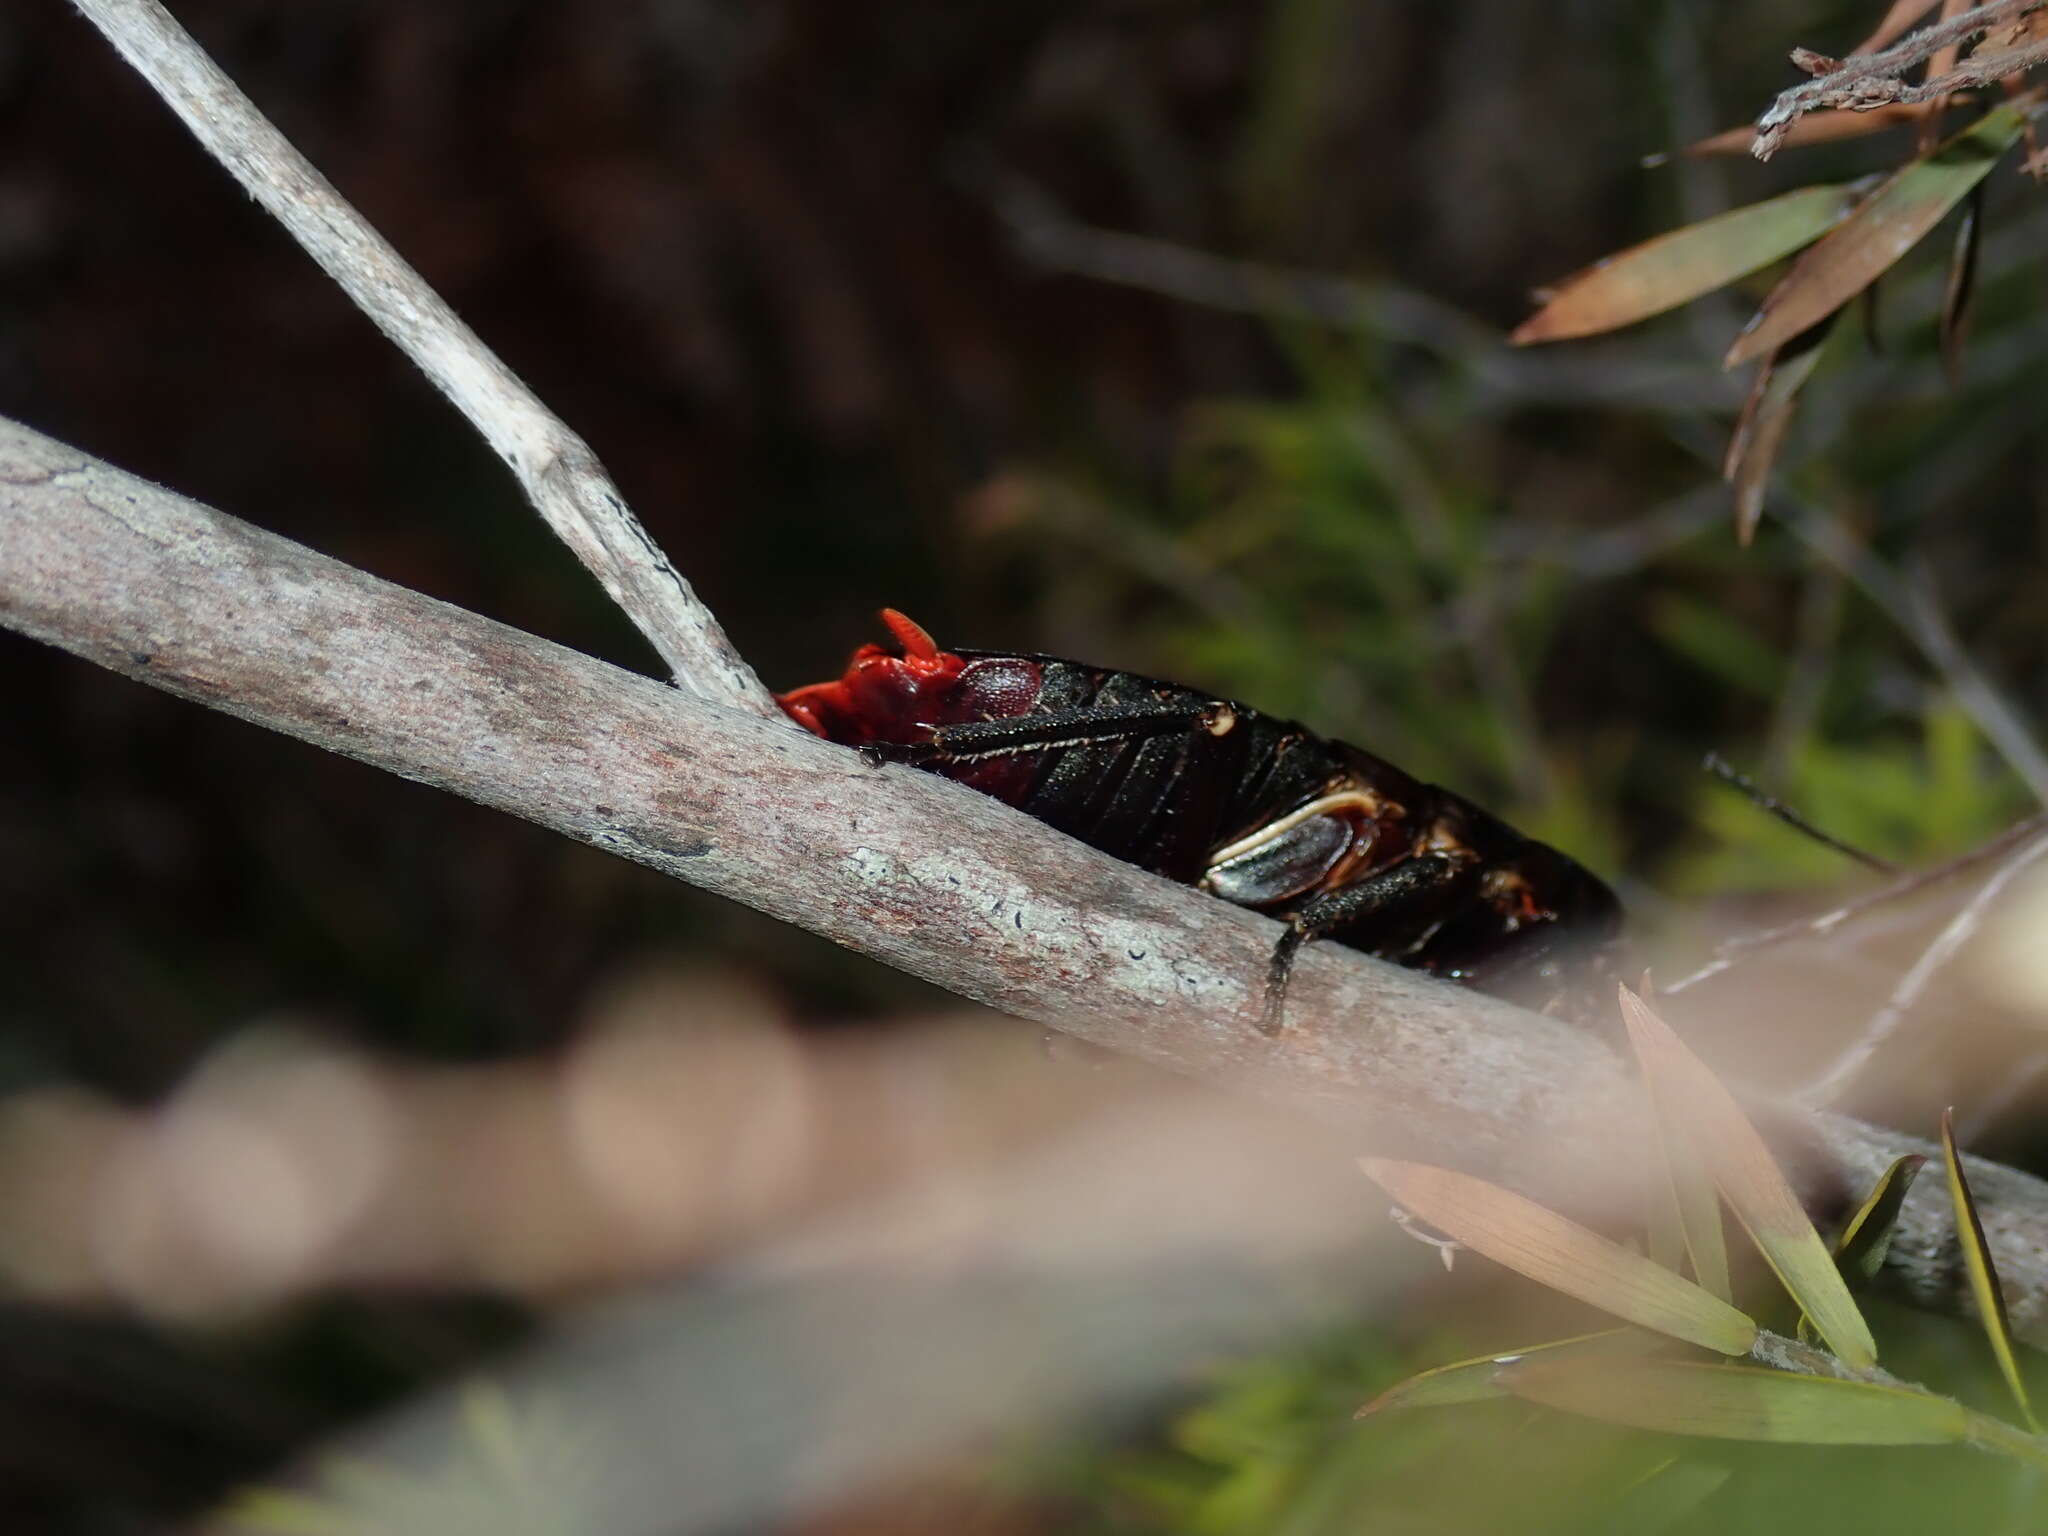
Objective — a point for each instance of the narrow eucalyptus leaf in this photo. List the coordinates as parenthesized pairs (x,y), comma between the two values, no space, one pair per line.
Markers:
(1861,1249)
(1515,1231)
(1738,1402)
(1677,267)
(1749,1180)
(1982,1271)
(1471,1381)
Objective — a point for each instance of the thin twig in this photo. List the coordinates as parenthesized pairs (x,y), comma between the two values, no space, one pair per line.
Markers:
(1878,1033)
(1875,79)
(1789,1354)
(555,467)
(1729,951)
(1980,1430)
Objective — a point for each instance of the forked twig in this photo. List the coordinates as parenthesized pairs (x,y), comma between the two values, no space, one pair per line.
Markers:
(1859,84)
(556,468)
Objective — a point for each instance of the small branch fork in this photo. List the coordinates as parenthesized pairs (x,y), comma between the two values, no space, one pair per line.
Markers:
(556,468)
(1862,83)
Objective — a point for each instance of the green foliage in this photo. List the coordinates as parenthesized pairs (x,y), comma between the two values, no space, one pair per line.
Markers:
(1269,1449)
(1328,557)
(1272,1449)
(1257,1456)
(516,1470)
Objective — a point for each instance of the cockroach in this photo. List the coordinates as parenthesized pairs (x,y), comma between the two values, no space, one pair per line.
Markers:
(1336,842)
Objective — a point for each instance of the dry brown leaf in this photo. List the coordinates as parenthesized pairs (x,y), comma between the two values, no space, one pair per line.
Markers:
(1888,223)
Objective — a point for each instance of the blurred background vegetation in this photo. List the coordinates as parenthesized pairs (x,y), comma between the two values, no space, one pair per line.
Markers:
(1165,333)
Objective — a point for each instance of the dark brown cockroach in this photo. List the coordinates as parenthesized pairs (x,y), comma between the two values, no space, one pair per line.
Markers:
(1261,812)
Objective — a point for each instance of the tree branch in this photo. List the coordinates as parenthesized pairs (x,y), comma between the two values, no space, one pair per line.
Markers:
(923,874)
(1867,81)
(556,468)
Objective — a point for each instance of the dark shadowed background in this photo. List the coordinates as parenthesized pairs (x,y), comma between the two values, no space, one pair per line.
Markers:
(837,292)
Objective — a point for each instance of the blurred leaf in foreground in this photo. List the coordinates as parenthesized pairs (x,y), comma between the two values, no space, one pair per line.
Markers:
(1739,1402)
(1749,1179)
(1472,1381)
(1540,1244)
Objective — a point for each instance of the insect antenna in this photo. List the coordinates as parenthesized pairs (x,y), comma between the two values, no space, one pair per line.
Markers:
(1725,771)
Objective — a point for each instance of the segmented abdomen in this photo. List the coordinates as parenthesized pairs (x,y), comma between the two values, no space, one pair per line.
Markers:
(1162,802)
(1169,803)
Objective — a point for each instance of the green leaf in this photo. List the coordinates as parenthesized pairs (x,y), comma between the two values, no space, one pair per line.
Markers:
(1749,1180)
(1861,1250)
(1663,1229)
(1695,1202)
(1738,1402)
(1699,1214)
(1555,1251)
(1675,268)
(1983,1272)
(1886,225)
(1471,1381)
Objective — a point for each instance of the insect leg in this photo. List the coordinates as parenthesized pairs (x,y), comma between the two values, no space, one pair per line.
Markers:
(1413,890)
(1015,735)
